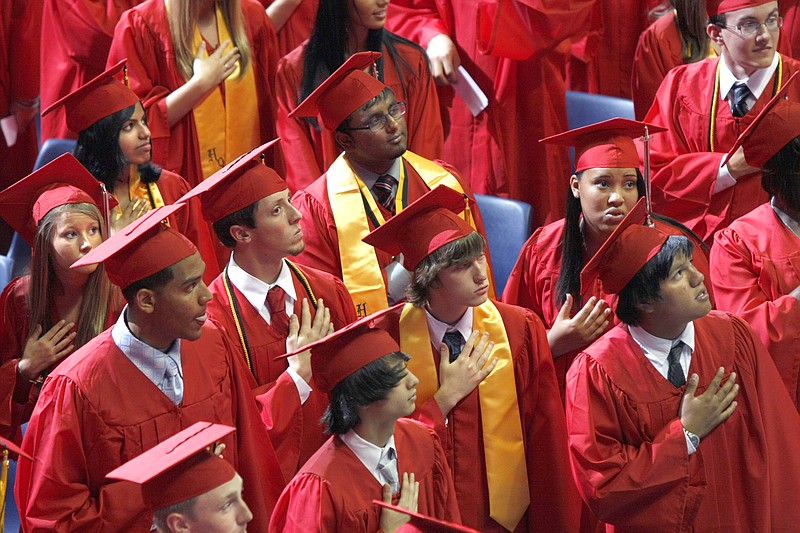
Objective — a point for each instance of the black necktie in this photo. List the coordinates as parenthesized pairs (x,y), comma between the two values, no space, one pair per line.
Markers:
(384,189)
(675,373)
(738,101)
(455,343)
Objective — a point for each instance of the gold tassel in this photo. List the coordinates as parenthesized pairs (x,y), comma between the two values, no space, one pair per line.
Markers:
(3,489)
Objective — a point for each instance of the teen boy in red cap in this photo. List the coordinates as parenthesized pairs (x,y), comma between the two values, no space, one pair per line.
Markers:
(502,425)
(136,384)
(678,419)
(706,106)
(267,304)
(375,452)
(372,180)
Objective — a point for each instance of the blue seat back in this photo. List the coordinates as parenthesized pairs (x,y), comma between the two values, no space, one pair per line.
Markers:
(584,109)
(508,226)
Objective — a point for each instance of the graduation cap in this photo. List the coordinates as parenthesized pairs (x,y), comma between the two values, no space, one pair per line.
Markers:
(95,99)
(179,468)
(237,185)
(772,129)
(629,247)
(606,144)
(341,353)
(423,227)
(141,249)
(62,181)
(718,7)
(6,444)
(347,89)
(420,523)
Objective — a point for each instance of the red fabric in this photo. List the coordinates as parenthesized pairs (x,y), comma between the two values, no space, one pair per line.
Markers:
(659,50)
(554,503)
(756,265)
(498,151)
(312,151)
(143,37)
(319,228)
(17,396)
(532,282)
(19,80)
(299,26)
(629,453)
(791,25)
(77,36)
(684,170)
(294,429)
(98,411)
(334,490)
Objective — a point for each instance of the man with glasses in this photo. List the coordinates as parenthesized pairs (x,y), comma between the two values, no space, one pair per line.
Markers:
(706,106)
(373,179)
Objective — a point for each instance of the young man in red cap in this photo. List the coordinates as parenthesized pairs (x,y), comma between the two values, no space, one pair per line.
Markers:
(756,260)
(678,419)
(372,391)
(706,106)
(135,385)
(372,180)
(190,488)
(267,304)
(502,424)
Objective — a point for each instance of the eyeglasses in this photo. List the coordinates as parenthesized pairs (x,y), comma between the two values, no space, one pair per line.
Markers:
(377,123)
(748,29)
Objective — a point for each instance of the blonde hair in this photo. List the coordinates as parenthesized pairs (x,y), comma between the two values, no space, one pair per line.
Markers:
(44,283)
(183,15)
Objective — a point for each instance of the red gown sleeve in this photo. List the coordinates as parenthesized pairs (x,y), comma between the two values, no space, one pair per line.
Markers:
(11,335)
(658,51)
(306,505)
(420,20)
(521,288)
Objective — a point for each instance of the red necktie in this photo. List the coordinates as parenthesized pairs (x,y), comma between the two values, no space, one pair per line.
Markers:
(276,302)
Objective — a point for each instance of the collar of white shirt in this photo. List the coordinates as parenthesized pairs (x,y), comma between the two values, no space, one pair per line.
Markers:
(368,453)
(369,178)
(255,290)
(657,349)
(437,328)
(757,81)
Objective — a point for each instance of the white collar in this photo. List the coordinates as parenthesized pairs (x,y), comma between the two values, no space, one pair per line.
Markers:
(757,81)
(367,453)
(255,290)
(790,223)
(658,348)
(437,328)
(369,177)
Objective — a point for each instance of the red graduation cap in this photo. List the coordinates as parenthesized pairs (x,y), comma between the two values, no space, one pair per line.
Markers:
(606,144)
(341,353)
(62,181)
(423,227)
(10,446)
(179,468)
(237,185)
(347,89)
(95,99)
(420,523)
(718,7)
(629,247)
(772,129)
(141,249)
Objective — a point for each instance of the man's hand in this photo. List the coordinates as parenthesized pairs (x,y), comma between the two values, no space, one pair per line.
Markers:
(568,334)
(409,495)
(738,166)
(444,59)
(459,378)
(41,351)
(305,331)
(701,414)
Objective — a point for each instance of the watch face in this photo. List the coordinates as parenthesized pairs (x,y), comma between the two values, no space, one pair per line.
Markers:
(695,440)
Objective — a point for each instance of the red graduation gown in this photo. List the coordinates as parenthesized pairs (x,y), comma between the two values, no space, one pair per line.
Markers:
(294,428)
(628,448)
(498,151)
(684,168)
(314,150)
(555,506)
(756,264)
(659,50)
(143,37)
(333,492)
(98,411)
(532,282)
(76,36)
(298,28)
(319,227)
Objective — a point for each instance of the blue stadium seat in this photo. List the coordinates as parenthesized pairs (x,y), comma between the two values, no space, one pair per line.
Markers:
(6,269)
(20,254)
(585,108)
(508,226)
(12,514)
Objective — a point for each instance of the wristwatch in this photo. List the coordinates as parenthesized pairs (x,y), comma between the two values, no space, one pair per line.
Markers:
(694,439)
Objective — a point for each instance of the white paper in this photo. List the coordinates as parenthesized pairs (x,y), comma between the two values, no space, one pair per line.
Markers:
(469,91)
(399,279)
(9,126)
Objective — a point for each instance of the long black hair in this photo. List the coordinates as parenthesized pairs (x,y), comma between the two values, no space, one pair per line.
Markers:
(99,151)
(781,172)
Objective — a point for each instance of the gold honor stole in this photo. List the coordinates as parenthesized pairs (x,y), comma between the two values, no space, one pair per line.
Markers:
(138,190)
(349,199)
(242,129)
(504,447)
